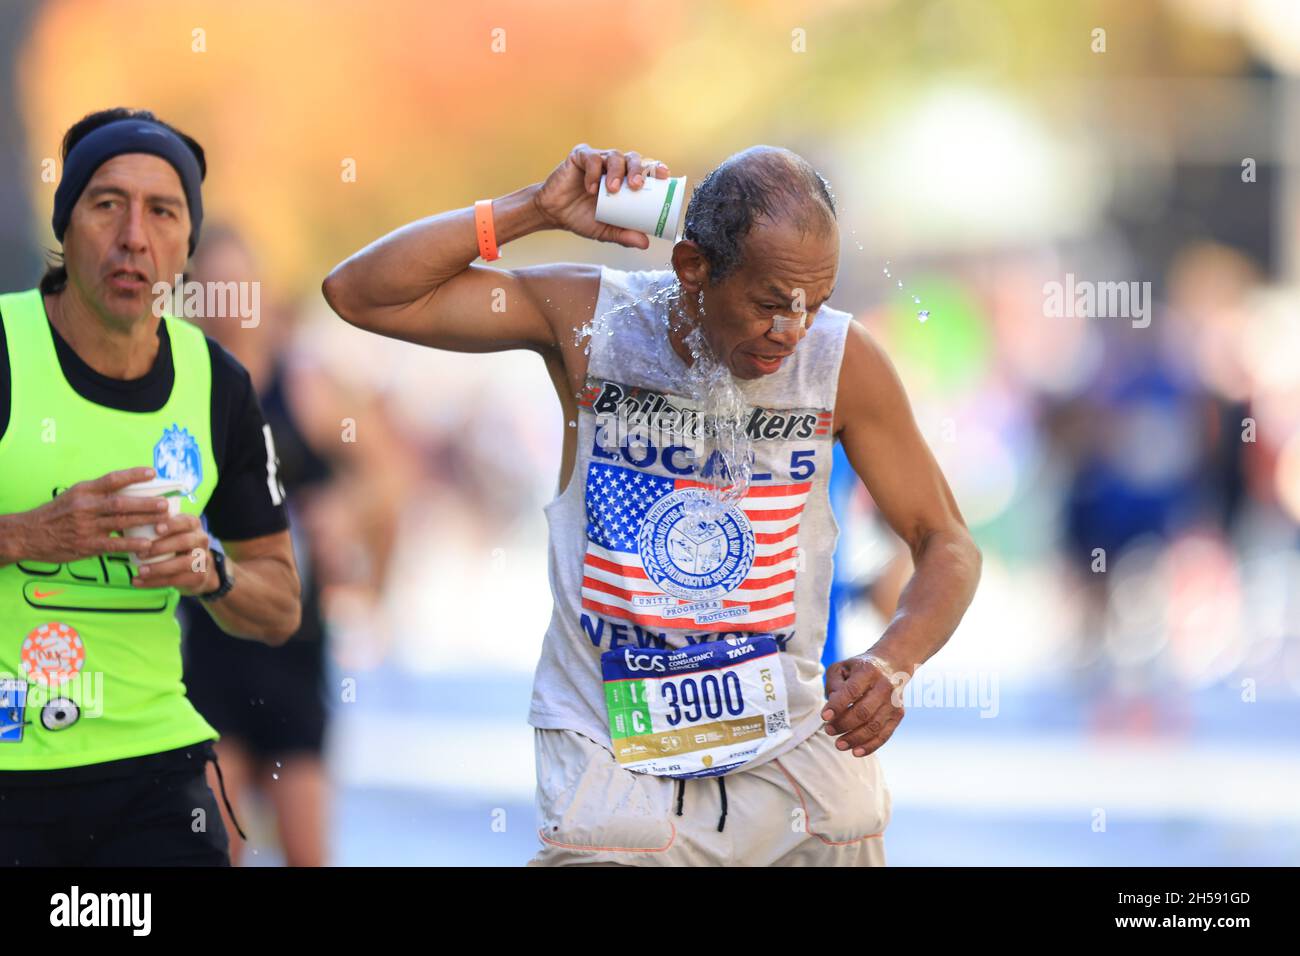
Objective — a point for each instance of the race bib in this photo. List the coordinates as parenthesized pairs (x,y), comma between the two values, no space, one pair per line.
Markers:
(696,711)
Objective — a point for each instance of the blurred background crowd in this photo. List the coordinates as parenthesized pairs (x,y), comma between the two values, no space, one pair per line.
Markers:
(1126,686)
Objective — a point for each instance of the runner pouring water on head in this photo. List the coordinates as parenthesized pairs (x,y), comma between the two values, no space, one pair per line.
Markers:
(691,535)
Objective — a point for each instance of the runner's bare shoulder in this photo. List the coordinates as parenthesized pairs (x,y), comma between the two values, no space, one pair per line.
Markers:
(564,295)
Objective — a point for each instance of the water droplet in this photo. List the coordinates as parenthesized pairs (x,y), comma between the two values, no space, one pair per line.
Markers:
(916,299)
(923,314)
(573,424)
(275,776)
(900,283)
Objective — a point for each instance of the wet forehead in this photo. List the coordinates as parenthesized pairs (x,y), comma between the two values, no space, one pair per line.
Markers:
(779,292)
(781,259)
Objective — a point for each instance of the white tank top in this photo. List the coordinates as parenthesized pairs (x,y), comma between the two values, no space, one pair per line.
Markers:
(606,597)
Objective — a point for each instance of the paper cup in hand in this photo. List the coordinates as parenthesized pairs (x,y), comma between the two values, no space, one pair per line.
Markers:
(653,209)
(155,488)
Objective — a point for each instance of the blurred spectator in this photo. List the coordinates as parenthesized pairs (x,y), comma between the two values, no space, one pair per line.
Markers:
(271,704)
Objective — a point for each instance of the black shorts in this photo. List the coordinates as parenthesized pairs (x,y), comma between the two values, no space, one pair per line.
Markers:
(269,699)
(156,810)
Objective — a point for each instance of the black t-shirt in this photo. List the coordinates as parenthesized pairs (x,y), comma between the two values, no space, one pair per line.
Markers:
(241,506)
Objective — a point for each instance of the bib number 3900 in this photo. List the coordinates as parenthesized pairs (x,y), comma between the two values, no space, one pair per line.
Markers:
(693,699)
(699,711)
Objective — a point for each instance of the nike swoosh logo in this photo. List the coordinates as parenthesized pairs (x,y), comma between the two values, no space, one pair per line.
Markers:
(38,593)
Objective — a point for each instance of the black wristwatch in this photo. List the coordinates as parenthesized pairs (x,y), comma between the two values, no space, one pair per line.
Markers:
(226,578)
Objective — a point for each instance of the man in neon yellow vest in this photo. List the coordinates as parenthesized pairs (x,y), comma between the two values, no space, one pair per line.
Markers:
(102,757)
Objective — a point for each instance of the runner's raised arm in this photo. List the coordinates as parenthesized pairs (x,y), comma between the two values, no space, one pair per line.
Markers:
(419,283)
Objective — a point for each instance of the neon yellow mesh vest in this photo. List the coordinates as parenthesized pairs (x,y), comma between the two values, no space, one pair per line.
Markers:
(90,667)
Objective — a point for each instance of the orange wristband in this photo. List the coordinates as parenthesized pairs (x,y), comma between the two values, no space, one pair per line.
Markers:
(486,229)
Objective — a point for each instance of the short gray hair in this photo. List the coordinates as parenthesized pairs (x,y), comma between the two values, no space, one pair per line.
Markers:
(767,182)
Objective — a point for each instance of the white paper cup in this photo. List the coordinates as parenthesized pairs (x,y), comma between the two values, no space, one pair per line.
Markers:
(154,488)
(653,209)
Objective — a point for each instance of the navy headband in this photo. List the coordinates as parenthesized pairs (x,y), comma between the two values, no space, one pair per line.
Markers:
(127,136)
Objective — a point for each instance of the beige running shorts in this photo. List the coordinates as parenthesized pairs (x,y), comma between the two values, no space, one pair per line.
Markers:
(813,806)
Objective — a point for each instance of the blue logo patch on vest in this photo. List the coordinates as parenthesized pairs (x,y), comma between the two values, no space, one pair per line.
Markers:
(13,709)
(693,559)
(176,457)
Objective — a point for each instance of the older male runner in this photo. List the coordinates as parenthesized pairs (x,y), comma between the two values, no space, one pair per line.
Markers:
(685,646)
(101,755)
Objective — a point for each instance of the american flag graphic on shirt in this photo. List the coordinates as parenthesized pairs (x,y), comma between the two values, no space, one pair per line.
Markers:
(650,562)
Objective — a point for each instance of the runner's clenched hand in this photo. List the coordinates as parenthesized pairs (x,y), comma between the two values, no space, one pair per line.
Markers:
(861,705)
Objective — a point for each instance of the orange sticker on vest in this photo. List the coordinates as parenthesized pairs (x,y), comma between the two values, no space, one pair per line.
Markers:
(53,654)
